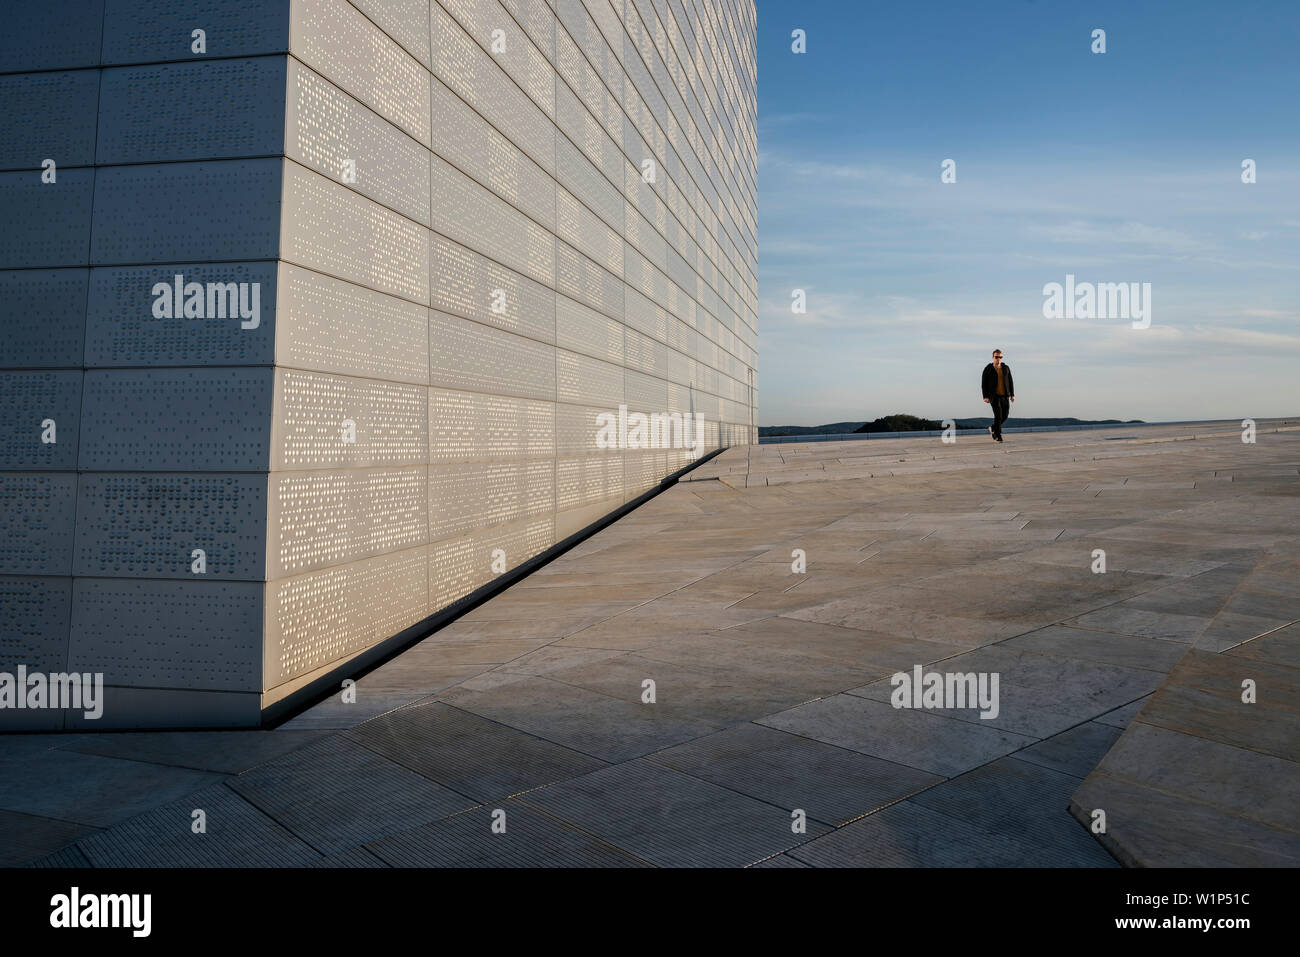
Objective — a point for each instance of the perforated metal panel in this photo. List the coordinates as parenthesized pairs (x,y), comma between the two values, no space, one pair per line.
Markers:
(177,419)
(196,212)
(482,494)
(39,420)
(457,566)
(149,526)
(46,224)
(47,115)
(467,426)
(37,513)
(143,31)
(464,354)
(334,230)
(34,40)
(332,421)
(340,138)
(35,613)
(42,315)
(328,325)
(158,634)
(465,283)
(406,21)
(319,519)
(122,330)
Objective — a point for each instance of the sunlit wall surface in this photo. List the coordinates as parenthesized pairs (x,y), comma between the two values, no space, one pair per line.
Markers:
(451,235)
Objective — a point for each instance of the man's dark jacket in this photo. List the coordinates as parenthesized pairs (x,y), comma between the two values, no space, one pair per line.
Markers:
(989,381)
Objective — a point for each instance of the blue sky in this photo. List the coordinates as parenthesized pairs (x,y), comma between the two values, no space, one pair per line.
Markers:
(1115,167)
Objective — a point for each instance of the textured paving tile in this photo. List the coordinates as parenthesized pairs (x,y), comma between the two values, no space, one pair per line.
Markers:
(829,784)
(1125,619)
(238,835)
(923,740)
(1147,828)
(531,839)
(1015,799)
(1127,651)
(336,794)
(25,837)
(1038,695)
(227,752)
(90,789)
(356,857)
(69,856)
(469,754)
(1076,751)
(587,721)
(908,835)
(1122,716)
(671,819)
(334,714)
(781,860)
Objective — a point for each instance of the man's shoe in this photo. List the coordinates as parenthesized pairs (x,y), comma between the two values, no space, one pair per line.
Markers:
(999,438)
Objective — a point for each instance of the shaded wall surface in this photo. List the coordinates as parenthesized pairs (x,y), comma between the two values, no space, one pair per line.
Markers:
(468,227)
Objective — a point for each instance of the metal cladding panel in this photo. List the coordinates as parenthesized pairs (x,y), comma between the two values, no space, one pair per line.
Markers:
(339,137)
(37,514)
(581,379)
(470,143)
(577,428)
(46,224)
(580,278)
(123,330)
(473,495)
(334,230)
(39,420)
(465,283)
(538,20)
(457,566)
(324,518)
(42,317)
(47,116)
(145,31)
(583,480)
(476,218)
(338,42)
(330,421)
(471,426)
(585,231)
(187,212)
(36,38)
(464,354)
(316,619)
(328,325)
(227,109)
(579,328)
(580,125)
(473,74)
(515,52)
(35,612)
(198,635)
(132,525)
(180,420)
(406,21)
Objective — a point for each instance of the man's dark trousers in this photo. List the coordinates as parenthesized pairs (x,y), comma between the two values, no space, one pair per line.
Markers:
(1001,409)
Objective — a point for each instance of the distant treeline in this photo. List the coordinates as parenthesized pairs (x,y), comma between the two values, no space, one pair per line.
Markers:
(902,422)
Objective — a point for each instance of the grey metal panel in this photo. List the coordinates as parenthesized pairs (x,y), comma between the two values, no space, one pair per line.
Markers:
(42,317)
(143,31)
(46,224)
(469,426)
(467,284)
(338,42)
(406,21)
(121,329)
(310,422)
(157,634)
(328,325)
(322,518)
(37,38)
(37,512)
(28,400)
(464,354)
(472,495)
(194,212)
(47,115)
(132,525)
(214,109)
(35,613)
(180,420)
(528,66)
(326,129)
(335,230)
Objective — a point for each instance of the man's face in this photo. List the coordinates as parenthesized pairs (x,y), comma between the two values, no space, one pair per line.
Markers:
(997,359)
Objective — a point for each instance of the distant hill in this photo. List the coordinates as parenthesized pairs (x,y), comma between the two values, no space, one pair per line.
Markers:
(902,422)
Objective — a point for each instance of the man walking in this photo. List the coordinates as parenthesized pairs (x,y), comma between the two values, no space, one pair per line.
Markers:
(999,392)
